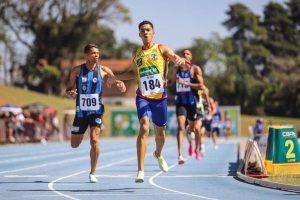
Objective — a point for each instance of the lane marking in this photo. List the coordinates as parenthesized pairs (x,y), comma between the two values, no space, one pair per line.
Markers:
(51,184)
(63,161)
(25,176)
(198,176)
(151,181)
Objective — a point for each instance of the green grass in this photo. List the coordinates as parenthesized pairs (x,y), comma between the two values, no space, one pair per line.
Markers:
(248,120)
(21,97)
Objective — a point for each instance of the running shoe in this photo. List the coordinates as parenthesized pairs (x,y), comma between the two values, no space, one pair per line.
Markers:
(203,152)
(191,147)
(197,154)
(139,177)
(180,160)
(93,178)
(163,166)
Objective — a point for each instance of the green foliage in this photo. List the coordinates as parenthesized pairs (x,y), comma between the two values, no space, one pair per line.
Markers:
(60,28)
(262,60)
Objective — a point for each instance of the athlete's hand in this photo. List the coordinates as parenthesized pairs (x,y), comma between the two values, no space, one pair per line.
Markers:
(121,86)
(71,93)
(110,81)
(181,81)
(179,60)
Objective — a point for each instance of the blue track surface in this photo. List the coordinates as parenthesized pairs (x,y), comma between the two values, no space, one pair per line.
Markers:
(55,171)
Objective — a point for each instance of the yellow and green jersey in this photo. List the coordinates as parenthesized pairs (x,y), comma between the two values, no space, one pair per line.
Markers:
(152,71)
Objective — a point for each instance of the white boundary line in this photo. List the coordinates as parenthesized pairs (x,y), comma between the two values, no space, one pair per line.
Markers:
(151,181)
(63,161)
(51,184)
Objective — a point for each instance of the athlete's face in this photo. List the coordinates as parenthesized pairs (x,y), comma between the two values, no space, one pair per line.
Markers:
(146,33)
(187,55)
(93,55)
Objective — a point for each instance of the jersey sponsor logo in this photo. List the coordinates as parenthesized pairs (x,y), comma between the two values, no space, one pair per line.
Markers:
(139,62)
(98,120)
(83,87)
(95,80)
(75,129)
(84,79)
(154,56)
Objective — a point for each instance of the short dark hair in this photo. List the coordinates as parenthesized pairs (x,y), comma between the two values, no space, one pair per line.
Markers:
(88,47)
(146,22)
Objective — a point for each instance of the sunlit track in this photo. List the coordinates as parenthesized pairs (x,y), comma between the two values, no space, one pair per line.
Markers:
(66,175)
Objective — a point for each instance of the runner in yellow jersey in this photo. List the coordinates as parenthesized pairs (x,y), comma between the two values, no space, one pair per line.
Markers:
(150,66)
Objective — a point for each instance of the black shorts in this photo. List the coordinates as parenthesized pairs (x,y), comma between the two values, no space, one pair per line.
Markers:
(206,123)
(80,124)
(190,111)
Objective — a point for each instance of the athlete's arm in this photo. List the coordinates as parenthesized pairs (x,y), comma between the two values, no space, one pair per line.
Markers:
(169,54)
(172,79)
(110,78)
(71,87)
(197,74)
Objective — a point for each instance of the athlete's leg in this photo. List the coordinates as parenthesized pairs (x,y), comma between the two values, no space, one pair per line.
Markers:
(79,127)
(76,139)
(197,128)
(141,142)
(159,118)
(94,152)
(181,127)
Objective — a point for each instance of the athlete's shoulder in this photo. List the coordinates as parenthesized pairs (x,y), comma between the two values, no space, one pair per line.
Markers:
(76,69)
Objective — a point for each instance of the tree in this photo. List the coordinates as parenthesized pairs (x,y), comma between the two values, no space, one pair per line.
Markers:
(60,28)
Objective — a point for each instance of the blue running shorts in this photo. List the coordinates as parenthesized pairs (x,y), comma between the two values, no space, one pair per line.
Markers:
(156,110)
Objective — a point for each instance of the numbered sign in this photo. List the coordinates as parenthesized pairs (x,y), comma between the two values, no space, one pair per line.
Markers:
(89,102)
(286,146)
(152,84)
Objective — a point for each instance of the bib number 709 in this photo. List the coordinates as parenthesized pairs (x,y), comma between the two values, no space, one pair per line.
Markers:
(89,102)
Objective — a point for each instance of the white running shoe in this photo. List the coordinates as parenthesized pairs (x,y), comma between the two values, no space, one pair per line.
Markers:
(93,178)
(140,177)
(163,166)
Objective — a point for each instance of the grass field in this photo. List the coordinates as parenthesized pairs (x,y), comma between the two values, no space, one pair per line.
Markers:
(21,97)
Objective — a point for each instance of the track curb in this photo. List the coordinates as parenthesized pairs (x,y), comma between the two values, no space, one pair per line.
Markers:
(260,182)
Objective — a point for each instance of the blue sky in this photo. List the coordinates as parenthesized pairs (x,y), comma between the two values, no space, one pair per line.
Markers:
(178,22)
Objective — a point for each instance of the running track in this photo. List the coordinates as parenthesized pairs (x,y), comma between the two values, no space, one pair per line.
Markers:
(55,171)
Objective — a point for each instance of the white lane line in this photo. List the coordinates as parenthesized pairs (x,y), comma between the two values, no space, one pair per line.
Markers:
(63,161)
(51,184)
(198,176)
(151,181)
(105,194)
(42,156)
(25,176)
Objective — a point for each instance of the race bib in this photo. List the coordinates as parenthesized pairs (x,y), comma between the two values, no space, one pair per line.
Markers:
(183,88)
(152,84)
(89,102)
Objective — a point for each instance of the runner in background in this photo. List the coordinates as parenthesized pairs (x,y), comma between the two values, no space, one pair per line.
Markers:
(216,124)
